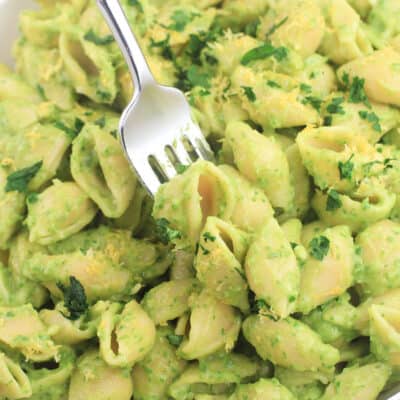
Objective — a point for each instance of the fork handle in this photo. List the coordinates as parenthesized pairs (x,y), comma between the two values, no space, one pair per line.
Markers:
(118,23)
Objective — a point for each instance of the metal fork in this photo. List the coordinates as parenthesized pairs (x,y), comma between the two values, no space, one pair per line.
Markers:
(156,128)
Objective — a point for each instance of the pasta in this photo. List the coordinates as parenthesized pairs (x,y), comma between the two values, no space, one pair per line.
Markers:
(271,273)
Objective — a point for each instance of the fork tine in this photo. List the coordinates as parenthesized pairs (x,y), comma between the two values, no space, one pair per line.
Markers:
(146,175)
(200,145)
(165,163)
(181,153)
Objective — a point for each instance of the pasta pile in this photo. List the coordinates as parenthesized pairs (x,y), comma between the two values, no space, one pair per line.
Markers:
(272,274)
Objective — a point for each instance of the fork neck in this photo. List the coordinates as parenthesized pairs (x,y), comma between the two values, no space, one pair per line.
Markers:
(118,23)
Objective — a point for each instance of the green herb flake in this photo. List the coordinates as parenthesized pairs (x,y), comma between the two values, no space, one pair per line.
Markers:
(252,27)
(333,201)
(314,102)
(204,250)
(101,122)
(91,36)
(181,168)
(276,26)
(196,77)
(305,88)
(174,340)
(135,3)
(264,51)
(164,46)
(74,298)
(32,198)
(41,91)
(273,84)
(346,168)
(72,133)
(248,91)
(208,237)
(328,120)
(181,18)
(319,247)
(372,118)
(357,92)
(335,106)
(293,245)
(19,180)
(165,233)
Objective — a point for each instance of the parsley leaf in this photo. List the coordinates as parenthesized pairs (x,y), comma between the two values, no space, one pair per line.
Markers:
(19,180)
(164,46)
(264,51)
(204,250)
(346,169)
(314,102)
(273,84)
(175,340)
(305,88)
(181,18)
(372,118)
(32,198)
(208,237)
(165,233)
(335,106)
(135,3)
(196,77)
(333,201)
(72,133)
(319,247)
(252,27)
(91,36)
(276,26)
(357,93)
(248,91)
(328,120)
(101,122)
(74,298)
(181,168)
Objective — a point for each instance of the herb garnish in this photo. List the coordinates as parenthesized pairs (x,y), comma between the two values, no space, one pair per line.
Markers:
(319,247)
(346,168)
(276,26)
(74,298)
(19,180)
(72,133)
(181,18)
(333,201)
(372,118)
(335,106)
(207,236)
(264,51)
(165,233)
(314,102)
(175,340)
(91,36)
(273,84)
(248,91)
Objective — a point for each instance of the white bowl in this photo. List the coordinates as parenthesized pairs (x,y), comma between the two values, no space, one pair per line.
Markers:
(9,10)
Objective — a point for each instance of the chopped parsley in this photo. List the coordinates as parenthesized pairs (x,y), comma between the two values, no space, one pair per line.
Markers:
(273,84)
(264,51)
(19,180)
(372,118)
(346,168)
(319,247)
(305,88)
(41,91)
(335,106)
(165,233)
(261,304)
(252,27)
(333,201)
(164,47)
(328,120)
(196,77)
(101,122)
(276,26)
(180,19)
(74,298)
(203,250)
(356,91)
(32,198)
(181,168)
(293,245)
(314,102)
(248,91)
(135,3)
(174,340)
(72,133)
(208,237)
(91,36)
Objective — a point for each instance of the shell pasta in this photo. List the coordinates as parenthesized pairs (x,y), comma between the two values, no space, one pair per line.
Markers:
(272,273)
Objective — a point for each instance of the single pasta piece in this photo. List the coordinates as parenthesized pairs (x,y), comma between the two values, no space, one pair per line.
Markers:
(302,26)
(213,326)
(169,300)
(100,168)
(15,383)
(261,160)
(289,343)
(217,373)
(269,389)
(327,272)
(358,383)
(370,203)
(218,262)
(345,37)
(126,334)
(93,378)
(381,257)
(324,151)
(153,375)
(382,77)
(23,330)
(186,201)
(60,211)
(272,271)
(252,207)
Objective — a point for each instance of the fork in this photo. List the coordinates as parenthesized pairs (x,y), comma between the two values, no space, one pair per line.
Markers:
(156,129)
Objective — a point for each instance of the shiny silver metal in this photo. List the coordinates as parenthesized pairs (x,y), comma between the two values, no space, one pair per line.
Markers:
(156,129)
